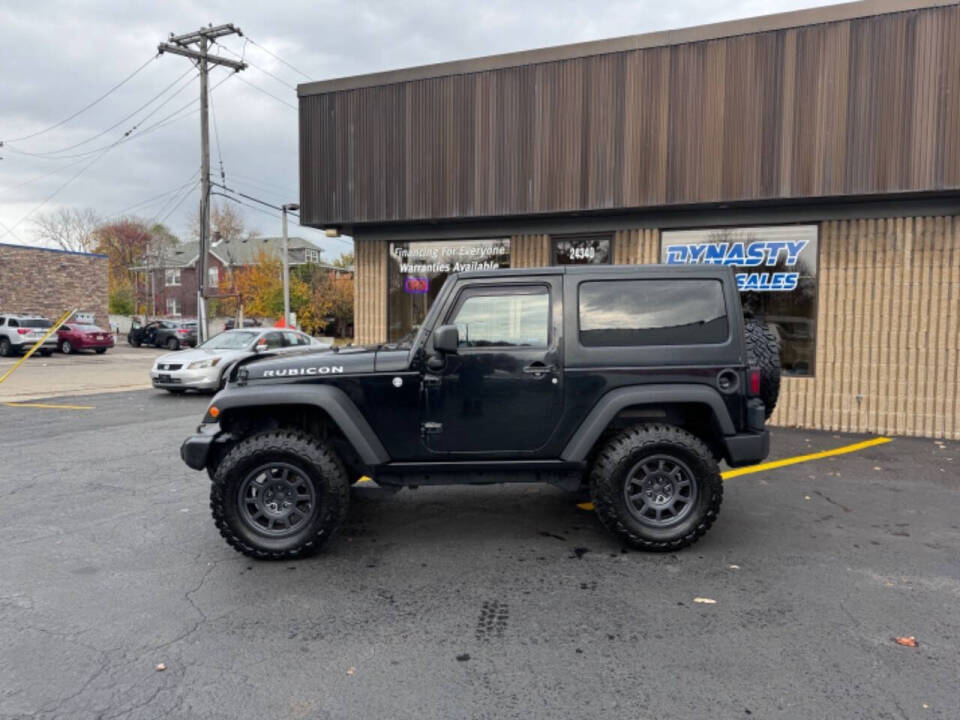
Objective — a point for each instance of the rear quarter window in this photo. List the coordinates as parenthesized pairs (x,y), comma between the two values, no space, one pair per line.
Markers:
(625,313)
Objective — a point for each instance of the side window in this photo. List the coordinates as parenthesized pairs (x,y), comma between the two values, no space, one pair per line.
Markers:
(629,313)
(14,323)
(2,320)
(273,340)
(516,317)
(293,339)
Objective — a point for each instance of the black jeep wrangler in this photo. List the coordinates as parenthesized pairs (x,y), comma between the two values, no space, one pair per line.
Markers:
(632,381)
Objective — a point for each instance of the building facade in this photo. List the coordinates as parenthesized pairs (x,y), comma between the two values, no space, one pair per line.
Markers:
(816,152)
(48,282)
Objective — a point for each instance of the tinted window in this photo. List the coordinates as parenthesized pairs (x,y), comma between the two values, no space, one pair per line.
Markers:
(516,319)
(652,312)
(273,340)
(584,250)
(37,323)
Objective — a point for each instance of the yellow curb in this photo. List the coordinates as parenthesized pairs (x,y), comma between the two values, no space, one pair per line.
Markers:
(49,406)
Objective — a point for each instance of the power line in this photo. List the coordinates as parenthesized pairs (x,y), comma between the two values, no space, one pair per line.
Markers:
(120,121)
(87,107)
(263,70)
(174,208)
(267,212)
(126,135)
(192,180)
(216,135)
(265,92)
(276,57)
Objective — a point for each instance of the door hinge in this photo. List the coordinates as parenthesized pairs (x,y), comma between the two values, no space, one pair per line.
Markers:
(431,428)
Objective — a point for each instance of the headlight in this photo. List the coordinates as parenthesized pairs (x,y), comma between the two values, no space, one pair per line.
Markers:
(208,362)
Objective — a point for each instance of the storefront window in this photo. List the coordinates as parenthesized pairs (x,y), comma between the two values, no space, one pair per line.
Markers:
(776,268)
(581,250)
(417,271)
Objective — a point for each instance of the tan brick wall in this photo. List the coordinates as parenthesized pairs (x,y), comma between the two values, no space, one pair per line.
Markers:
(529,250)
(887,329)
(48,282)
(370,291)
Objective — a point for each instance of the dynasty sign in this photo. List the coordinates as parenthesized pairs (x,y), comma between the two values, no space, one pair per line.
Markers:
(776,269)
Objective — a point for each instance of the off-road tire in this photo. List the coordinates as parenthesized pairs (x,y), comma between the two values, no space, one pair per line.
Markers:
(763,351)
(622,454)
(323,469)
(6,349)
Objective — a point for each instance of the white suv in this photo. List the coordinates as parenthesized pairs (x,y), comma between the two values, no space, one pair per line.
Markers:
(18,333)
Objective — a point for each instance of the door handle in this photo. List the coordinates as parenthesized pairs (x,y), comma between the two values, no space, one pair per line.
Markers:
(538,369)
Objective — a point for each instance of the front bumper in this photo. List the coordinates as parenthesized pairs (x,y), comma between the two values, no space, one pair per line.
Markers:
(199,379)
(196,449)
(746,448)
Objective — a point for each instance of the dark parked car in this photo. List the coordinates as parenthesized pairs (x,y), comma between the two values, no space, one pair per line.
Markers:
(163,333)
(632,382)
(73,337)
(247,323)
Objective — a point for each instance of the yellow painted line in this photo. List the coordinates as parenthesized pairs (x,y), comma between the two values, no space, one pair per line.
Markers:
(49,406)
(788,461)
(805,458)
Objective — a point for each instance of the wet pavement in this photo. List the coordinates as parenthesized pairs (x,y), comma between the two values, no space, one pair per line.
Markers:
(468,602)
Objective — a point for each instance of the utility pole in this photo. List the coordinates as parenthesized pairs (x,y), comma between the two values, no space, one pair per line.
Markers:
(286,268)
(180,45)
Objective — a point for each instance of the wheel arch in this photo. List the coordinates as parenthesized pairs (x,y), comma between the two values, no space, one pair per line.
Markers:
(328,404)
(662,398)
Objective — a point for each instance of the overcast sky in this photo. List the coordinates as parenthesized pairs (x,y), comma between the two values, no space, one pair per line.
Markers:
(57,57)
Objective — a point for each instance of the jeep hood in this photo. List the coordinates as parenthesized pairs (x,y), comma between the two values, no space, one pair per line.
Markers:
(315,363)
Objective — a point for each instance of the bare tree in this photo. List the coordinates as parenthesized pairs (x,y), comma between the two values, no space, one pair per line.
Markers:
(225,219)
(68,228)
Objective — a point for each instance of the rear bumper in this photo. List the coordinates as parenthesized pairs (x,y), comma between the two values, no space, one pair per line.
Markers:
(746,448)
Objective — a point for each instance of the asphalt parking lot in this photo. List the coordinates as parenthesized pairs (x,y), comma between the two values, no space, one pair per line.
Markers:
(473,602)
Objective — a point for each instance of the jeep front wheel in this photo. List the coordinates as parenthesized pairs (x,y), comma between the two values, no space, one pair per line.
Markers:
(657,487)
(278,495)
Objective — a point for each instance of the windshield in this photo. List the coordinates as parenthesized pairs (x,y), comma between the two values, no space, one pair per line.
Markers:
(233,340)
(36,323)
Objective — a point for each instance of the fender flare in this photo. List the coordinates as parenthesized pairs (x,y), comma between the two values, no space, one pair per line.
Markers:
(328,398)
(607,407)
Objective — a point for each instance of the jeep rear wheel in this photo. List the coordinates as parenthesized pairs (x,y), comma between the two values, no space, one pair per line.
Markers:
(278,495)
(657,487)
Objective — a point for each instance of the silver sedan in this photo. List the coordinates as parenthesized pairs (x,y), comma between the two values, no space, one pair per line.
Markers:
(204,367)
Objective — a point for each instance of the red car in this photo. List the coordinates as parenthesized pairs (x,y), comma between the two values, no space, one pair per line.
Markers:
(71,338)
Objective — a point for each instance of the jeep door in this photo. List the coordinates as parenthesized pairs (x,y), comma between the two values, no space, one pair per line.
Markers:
(502,392)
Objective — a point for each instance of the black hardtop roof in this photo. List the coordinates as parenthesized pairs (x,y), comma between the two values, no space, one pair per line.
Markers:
(646,270)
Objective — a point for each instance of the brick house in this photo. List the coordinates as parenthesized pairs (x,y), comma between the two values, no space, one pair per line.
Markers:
(168,286)
(47,281)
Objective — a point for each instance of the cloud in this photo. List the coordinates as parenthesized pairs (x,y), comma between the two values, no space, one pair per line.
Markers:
(61,55)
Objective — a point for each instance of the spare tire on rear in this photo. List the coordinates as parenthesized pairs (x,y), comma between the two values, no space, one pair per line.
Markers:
(763,351)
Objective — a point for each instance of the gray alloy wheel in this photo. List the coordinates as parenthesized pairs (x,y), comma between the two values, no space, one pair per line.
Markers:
(66,348)
(276,499)
(173,344)
(660,490)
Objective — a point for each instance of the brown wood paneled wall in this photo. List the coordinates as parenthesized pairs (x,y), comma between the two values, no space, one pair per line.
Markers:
(370,291)
(856,107)
(887,331)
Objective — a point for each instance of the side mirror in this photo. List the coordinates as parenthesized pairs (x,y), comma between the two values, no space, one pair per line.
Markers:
(446,339)
(260,347)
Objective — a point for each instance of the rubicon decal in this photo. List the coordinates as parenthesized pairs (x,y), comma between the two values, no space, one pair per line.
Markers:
(319,370)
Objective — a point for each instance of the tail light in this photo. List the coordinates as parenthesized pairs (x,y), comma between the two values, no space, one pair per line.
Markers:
(23,331)
(183,331)
(753,382)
